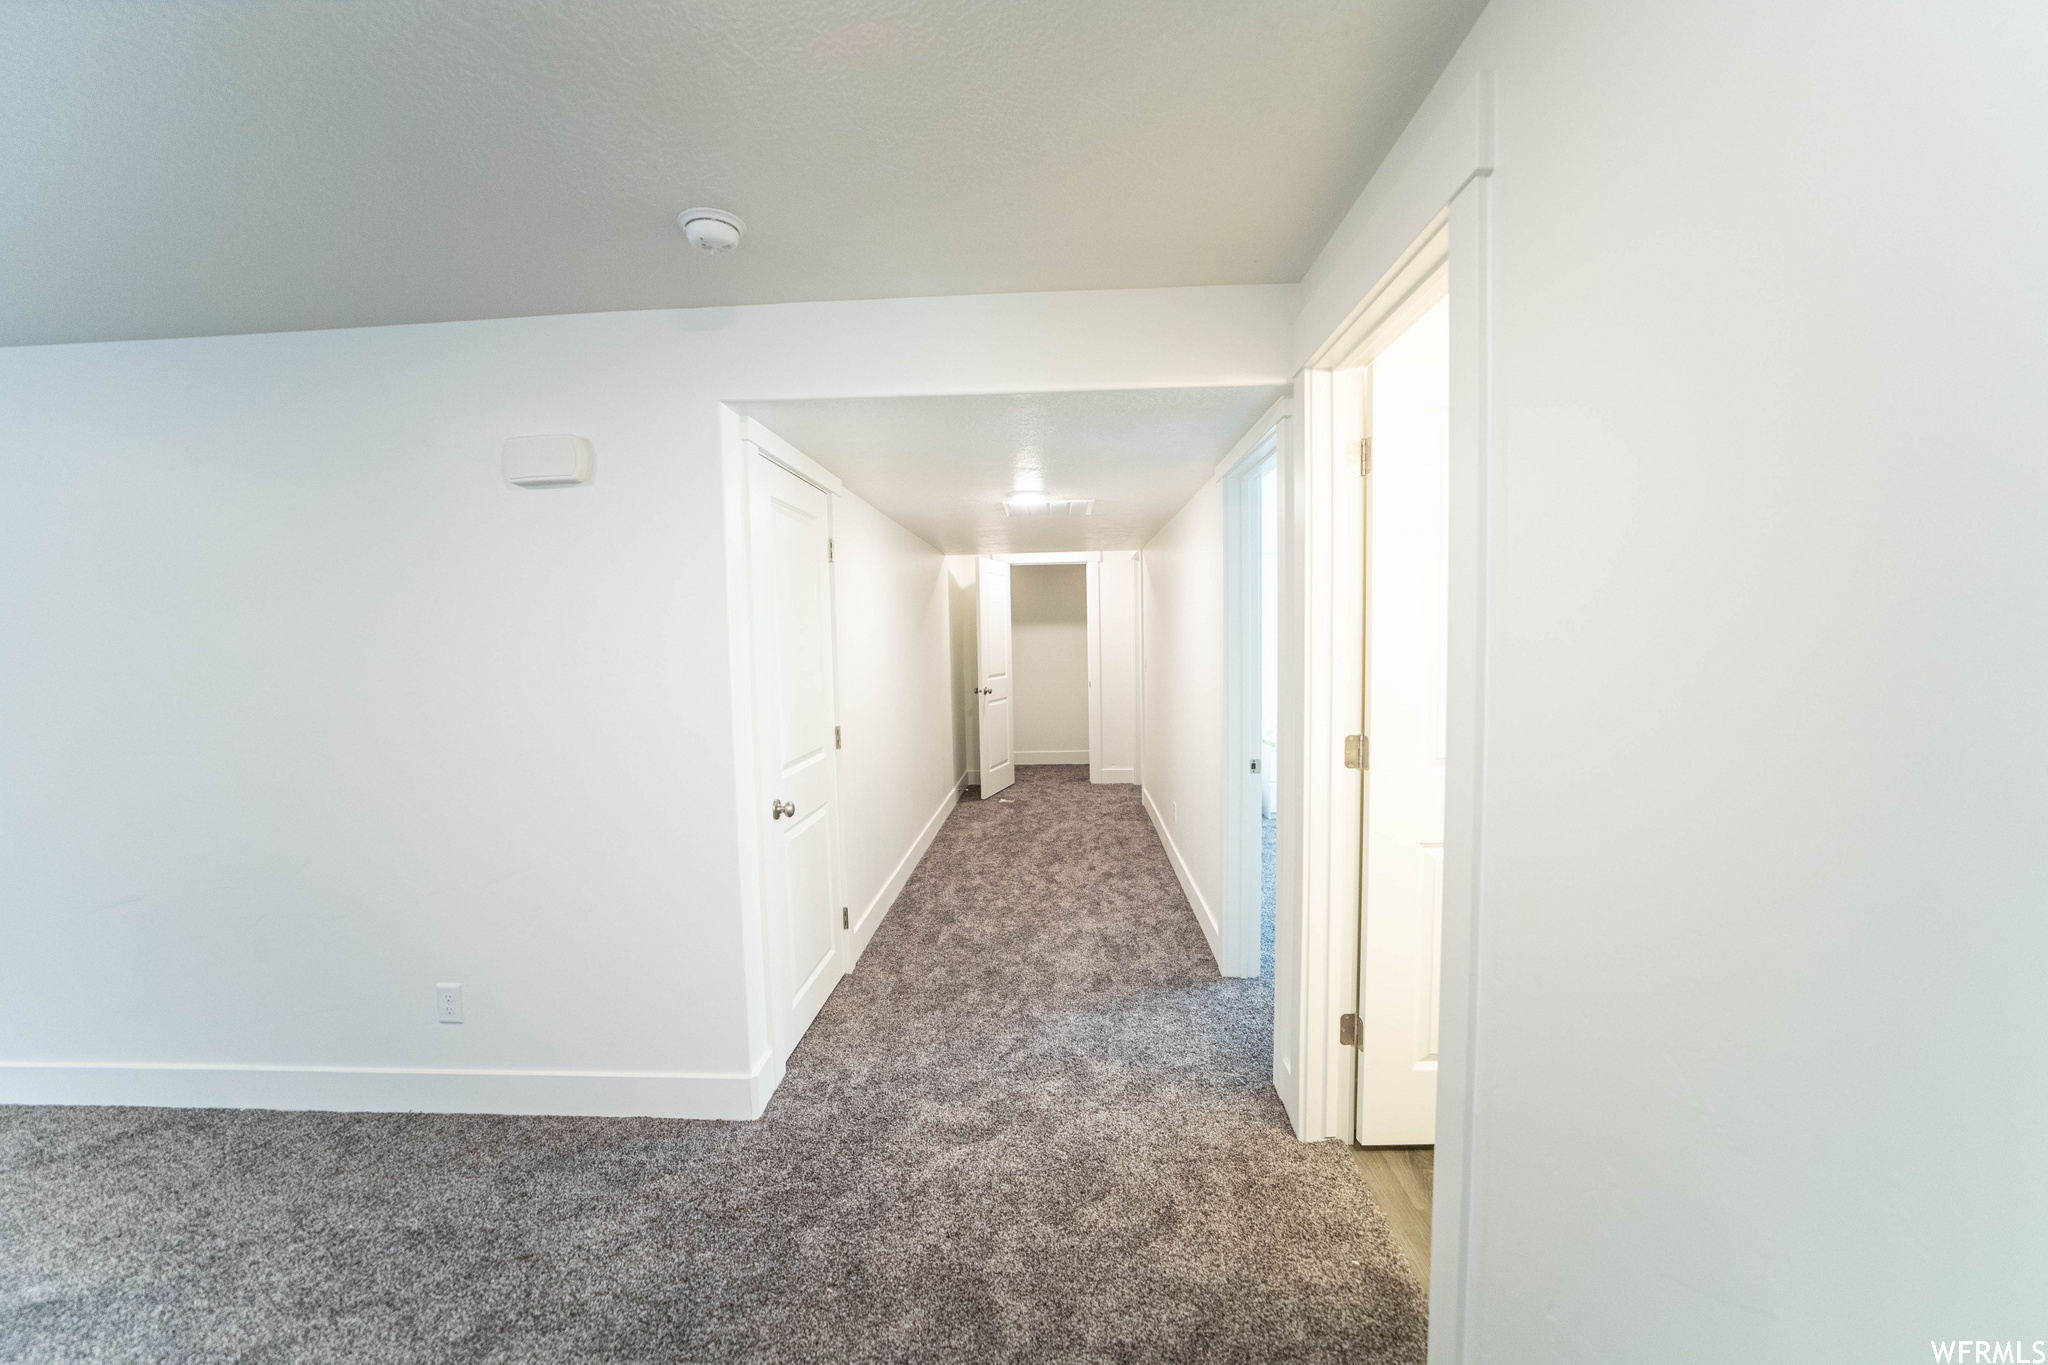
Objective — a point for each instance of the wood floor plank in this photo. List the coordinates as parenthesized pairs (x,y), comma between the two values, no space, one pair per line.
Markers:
(1400,1182)
(1413,1180)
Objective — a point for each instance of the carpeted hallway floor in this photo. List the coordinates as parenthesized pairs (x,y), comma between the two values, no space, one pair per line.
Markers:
(1034,1125)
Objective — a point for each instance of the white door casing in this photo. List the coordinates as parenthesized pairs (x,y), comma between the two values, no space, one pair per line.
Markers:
(993,681)
(795,709)
(1406,619)
(1113,644)
(1439,203)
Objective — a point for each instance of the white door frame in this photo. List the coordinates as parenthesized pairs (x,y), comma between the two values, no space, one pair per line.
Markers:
(767,1048)
(1092,559)
(1335,697)
(1446,184)
(1322,644)
(1410,1083)
(1320,523)
(1311,439)
(1458,1000)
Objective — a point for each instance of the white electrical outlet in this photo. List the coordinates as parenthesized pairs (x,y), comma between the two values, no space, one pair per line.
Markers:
(448,1001)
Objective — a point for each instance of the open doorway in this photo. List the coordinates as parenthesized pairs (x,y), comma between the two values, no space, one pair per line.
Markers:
(1403,397)
(1266,484)
(1407,400)
(1251,931)
(1339,585)
(1053,674)
(1049,662)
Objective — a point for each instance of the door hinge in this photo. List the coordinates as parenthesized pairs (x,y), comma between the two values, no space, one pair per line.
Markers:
(1347,1030)
(1365,454)
(835,738)
(845,918)
(829,551)
(1358,751)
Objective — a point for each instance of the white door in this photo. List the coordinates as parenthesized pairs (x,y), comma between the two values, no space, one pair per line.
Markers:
(1406,614)
(792,585)
(993,681)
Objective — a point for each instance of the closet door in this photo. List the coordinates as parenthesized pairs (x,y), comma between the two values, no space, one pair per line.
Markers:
(792,585)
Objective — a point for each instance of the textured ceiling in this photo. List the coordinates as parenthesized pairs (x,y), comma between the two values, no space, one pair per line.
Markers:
(189,167)
(942,466)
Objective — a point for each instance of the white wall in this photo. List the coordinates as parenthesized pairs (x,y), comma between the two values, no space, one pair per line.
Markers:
(303,710)
(963,586)
(898,776)
(1183,698)
(1761,937)
(1049,653)
(1118,679)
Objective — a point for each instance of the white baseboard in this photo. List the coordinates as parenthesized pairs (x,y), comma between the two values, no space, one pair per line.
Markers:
(1204,916)
(1105,776)
(620,1094)
(1025,756)
(871,918)
(395,1090)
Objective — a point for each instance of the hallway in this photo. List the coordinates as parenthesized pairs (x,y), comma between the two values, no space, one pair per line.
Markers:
(1033,1125)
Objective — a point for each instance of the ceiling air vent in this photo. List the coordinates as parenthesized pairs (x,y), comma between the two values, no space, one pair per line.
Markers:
(1057,507)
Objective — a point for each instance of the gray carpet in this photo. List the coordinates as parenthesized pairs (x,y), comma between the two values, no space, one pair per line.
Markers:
(1035,1125)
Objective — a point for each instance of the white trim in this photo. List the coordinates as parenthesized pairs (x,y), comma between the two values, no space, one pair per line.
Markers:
(1441,151)
(1098,770)
(1251,445)
(1322,577)
(744,438)
(788,456)
(739,623)
(1138,625)
(879,905)
(1444,158)
(1093,757)
(1464,786)
(1416,283)
(1204,916)
(403,1090)
(1025,756)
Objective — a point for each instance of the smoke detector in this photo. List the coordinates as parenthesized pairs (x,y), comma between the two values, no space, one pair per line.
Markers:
(711,229)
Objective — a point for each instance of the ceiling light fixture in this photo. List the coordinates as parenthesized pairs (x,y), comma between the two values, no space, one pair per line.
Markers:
(711,229)
(1026,498)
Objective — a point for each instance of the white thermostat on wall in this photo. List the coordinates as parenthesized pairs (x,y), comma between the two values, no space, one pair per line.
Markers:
(547,461)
